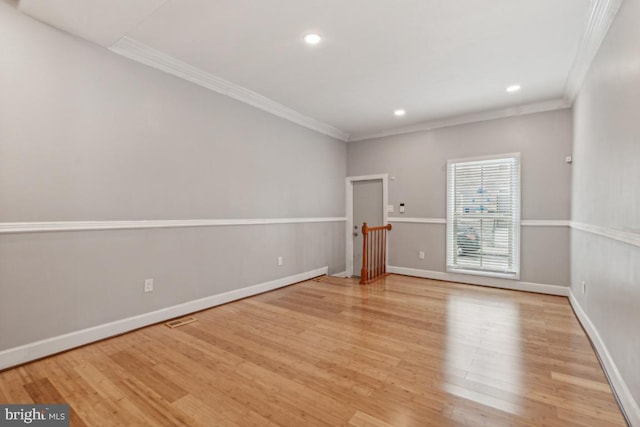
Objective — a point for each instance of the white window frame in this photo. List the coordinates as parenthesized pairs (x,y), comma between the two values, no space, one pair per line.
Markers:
(451,218)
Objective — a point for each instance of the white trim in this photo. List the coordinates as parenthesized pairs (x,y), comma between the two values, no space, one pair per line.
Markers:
(545,223)
(139,52)
(521,110)
(36,227)
(515,202)
(485,273)
(342,274)
(485,158)
(601,16)
(629,237)
(523,223)
(349,206)
(482,281)
(418,220)
(49,346)
(629,405)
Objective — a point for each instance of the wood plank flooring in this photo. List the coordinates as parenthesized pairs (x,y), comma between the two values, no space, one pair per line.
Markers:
(399,352)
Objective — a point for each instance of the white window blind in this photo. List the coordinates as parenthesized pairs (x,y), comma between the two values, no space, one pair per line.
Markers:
(483,216)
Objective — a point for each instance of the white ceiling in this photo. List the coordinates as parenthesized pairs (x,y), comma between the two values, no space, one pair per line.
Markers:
(443,61)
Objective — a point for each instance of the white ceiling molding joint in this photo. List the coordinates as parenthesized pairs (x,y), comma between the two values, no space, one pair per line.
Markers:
(538,107)
(600,17)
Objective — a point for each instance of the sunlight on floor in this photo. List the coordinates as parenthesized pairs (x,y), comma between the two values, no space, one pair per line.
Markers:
(482,342)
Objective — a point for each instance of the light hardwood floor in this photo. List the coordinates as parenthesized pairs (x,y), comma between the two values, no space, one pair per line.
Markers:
(402,352)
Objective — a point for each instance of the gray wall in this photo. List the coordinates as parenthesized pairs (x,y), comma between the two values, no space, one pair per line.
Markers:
(88,135)
(418,163)
(606,193)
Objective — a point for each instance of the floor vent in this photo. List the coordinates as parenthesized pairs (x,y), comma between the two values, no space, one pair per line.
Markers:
(180,322)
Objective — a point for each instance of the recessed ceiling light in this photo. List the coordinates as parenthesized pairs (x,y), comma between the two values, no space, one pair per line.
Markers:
(513,88)
(312,38)
(399,113)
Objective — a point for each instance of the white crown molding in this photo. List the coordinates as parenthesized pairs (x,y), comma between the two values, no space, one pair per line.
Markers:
(492,282)
(520,110)
(600,17)
(629,237)
(599,20)
(144,54)
(629,406)
(35,227)
(18,355)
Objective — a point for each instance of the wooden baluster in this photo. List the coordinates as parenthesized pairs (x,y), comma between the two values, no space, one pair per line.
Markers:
(371,259)
(379,272)
(368,256)
(374,252)
(374,249)
(363,271)
(377,243)
(367,276)
(384,256)
(380,252)
(386,244)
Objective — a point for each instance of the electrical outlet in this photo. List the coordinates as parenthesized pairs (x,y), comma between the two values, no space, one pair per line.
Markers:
(280,260)
(148,285)
(584,287)
(421,254)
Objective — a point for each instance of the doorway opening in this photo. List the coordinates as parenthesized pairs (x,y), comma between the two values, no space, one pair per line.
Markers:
(366,201)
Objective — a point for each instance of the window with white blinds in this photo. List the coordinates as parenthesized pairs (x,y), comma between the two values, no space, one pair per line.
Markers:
(483,216)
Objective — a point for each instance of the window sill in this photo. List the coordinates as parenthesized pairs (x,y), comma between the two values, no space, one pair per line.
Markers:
(511,276)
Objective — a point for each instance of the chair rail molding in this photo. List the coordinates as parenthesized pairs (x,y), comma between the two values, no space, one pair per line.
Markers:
(36,227)
(629,237)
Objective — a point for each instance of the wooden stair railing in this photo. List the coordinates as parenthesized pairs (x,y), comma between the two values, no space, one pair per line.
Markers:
(374,253)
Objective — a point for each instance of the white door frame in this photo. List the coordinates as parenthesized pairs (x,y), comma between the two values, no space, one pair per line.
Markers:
(349,205)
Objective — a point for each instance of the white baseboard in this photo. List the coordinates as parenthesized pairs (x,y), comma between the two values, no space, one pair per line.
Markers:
(628,403)
(341,274)
(49,346)
(482,281)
